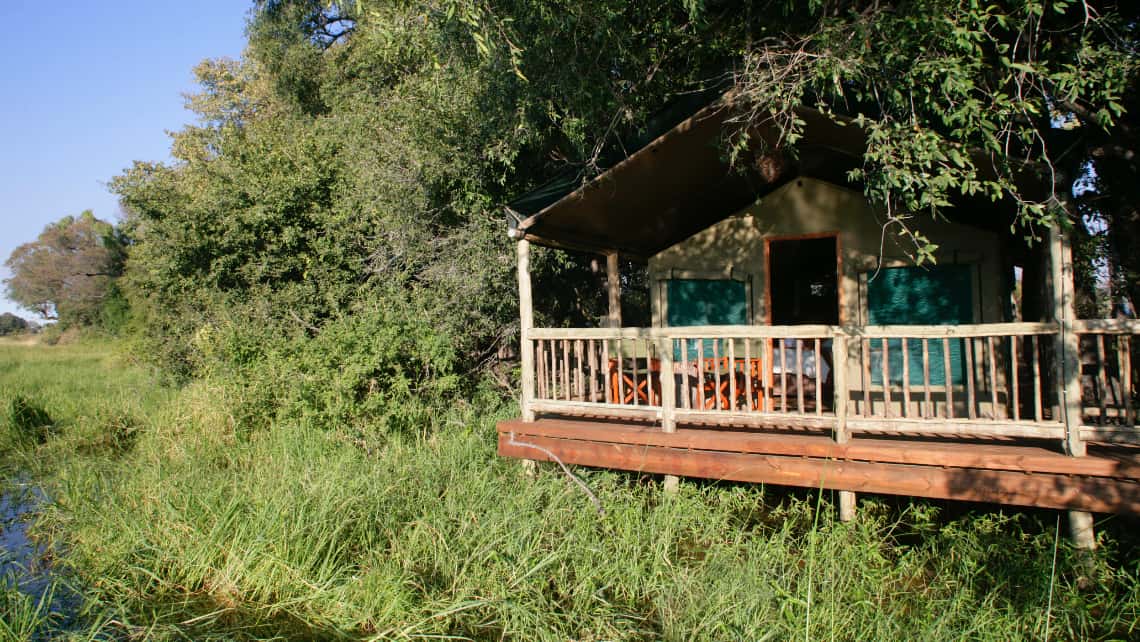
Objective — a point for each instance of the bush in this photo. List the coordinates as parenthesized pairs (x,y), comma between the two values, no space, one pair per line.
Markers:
(115,313)
(369,371)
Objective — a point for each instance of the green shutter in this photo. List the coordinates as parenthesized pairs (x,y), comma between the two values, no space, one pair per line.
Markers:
(705,302)
(939,295)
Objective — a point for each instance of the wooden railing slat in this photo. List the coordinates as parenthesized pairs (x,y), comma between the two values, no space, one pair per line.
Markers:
(1101,380)
(971,400)
(593,371)
(620,371)
(566,369)
(783,378)
(716,374)
(886,377)
(947,378)
(1014,366)
(1037,401)
(1126,380)
(927,407)
(993,377)
(686,397)
(800,376)
(732,374)
(748,402)
(701,373)
(865,357)
(906,377)
(818,378)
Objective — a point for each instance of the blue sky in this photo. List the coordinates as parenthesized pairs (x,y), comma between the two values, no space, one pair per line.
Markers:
(86,87)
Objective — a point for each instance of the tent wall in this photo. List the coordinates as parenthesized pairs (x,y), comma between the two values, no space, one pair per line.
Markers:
(735,248)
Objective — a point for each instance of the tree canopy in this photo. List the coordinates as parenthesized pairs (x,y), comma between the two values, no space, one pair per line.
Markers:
(347,172)
(1012,101)
(67,272)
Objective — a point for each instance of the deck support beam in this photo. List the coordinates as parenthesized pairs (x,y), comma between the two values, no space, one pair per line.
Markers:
(1069,369)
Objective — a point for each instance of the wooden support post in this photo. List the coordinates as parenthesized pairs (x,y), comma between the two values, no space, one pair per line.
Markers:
(1081,530)
(842,434)
(526,322)
(1067,346)
(526,348)
(613,288)
(1069,370)
(846,505)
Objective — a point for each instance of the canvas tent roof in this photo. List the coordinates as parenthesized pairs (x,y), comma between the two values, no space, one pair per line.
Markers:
(681,182)
(671,188)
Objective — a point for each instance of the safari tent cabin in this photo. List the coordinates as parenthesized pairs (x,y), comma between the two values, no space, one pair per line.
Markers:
(814,253)
(794,340)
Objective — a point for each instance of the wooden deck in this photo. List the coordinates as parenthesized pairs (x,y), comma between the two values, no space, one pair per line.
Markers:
(1005,471)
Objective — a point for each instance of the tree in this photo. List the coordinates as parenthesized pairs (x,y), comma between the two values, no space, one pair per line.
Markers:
(961,99)
(12,324)
(353,162)
(67,271)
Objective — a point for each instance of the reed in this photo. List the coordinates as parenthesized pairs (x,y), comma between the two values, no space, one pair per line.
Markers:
(195,528)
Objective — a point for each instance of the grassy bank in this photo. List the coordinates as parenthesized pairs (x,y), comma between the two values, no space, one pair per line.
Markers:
(180,526)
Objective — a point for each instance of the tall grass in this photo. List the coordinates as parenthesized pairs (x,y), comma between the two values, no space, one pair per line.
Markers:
(193,528)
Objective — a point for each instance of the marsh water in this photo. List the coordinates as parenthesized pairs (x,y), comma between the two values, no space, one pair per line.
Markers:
(25,565)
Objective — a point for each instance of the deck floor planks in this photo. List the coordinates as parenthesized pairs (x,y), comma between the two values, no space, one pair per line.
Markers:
(983,455)
(1028,475)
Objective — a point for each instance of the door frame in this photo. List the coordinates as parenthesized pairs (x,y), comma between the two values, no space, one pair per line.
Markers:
(769,375)
(768,240)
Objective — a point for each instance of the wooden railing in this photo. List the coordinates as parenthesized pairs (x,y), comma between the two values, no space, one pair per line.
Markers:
(766,375)
(1108,378)
(989,379)
(596,371)
(965,380)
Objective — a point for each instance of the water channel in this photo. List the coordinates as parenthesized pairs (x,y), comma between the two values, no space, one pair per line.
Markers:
(25,565)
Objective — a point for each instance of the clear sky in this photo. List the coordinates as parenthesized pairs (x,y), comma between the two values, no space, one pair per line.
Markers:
(86,87)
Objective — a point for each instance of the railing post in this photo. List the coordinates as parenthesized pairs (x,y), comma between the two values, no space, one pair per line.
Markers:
(842,434)
(668,385)
(839,378)
(526,323)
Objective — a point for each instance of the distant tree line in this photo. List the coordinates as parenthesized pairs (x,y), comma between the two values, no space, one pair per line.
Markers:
(13,324)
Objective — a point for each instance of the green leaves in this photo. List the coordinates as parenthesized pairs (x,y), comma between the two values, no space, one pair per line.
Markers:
(68,271)
(939,84)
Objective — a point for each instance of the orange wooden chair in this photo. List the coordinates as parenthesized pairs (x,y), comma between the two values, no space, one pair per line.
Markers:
(642,385)
(721,396)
